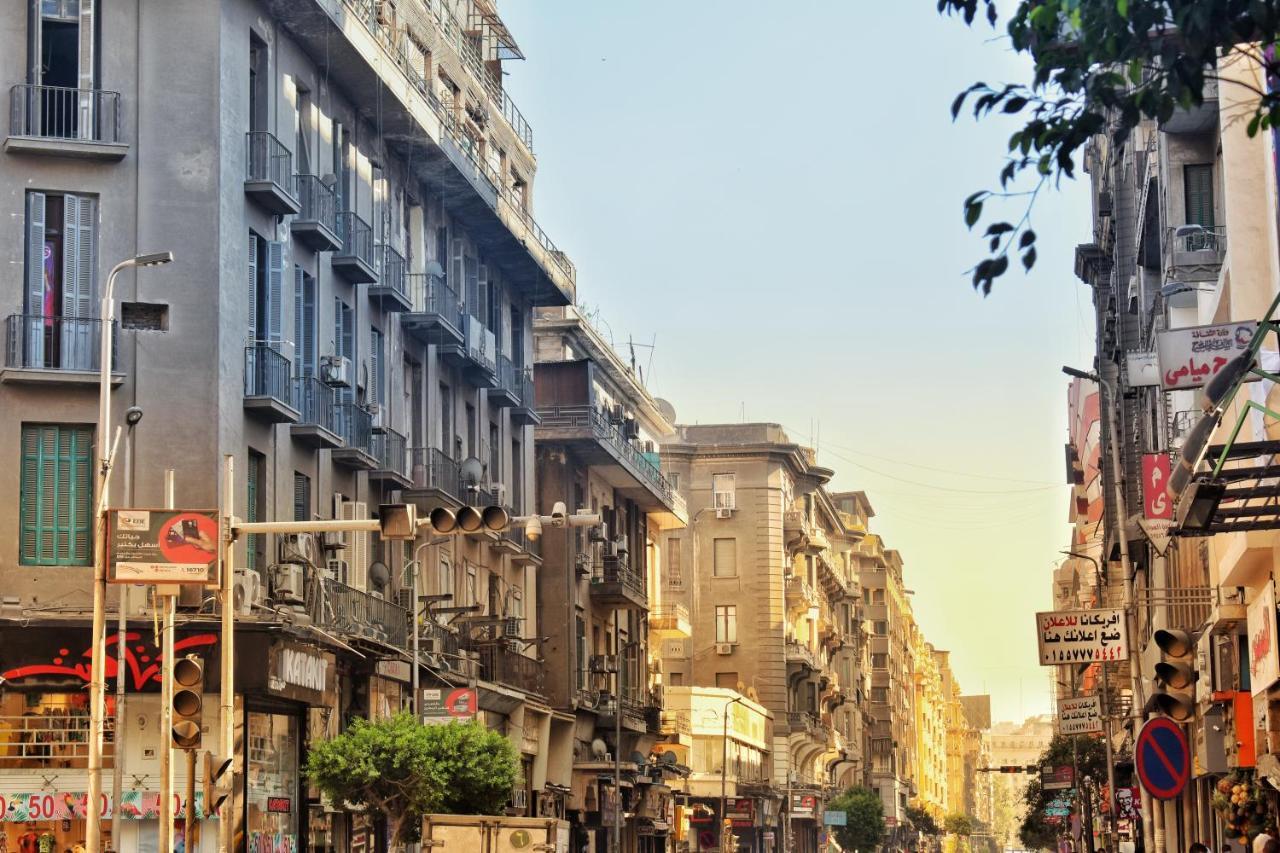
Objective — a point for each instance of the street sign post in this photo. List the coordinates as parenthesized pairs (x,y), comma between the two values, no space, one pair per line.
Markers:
(1081,636)
(1162,759)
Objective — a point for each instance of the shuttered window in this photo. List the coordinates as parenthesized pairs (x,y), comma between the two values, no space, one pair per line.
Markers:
(56,501)
(304,321)
(1198,185)
(253,509)
(301,497)
(376,369)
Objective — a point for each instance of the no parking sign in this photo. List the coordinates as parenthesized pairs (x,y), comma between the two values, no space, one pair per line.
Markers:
(1162,759)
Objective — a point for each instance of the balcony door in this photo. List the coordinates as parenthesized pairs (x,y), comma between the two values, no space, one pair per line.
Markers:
(61,266)
(60,66)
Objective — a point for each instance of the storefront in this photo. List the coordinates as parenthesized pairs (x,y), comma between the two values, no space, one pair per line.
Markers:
(805,823)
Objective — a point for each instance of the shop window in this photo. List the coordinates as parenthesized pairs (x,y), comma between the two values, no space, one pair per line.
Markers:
(271,783)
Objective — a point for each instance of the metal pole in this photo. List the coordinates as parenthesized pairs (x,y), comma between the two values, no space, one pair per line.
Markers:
(122,627)
(724,770)
(189,818)
(226,709)
(169,603)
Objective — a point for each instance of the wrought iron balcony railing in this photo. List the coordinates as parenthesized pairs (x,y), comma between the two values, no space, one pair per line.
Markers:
(315,401)
(266,373)
(430,468)
(356,236)
(391,271)
(614,569)
(60,112)
(39,342)
(355,424)
(504,665)
(351,612)
(389,448)
(267,159)
(319,201)
(429,294)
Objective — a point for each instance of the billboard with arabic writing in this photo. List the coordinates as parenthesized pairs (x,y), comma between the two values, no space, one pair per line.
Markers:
(1190,357)
(1081,636)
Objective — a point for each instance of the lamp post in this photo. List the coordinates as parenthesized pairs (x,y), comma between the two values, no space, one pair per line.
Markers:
(620,672)
(724,769)
(97,660)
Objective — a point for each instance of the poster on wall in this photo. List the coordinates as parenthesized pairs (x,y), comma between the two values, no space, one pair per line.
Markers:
(1264,662)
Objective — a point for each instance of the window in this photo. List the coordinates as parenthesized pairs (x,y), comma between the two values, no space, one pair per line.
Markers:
(879,661)
(259,80)
(471,431)
(727,680)
(726,623)
(723,491)
(302,130)
(580,628)
(881,628)
(344,339)
(446,421)
(495,454)
(255,505)
(56,496)
(724,558)
(445,587)
(61,282)
(61,48)
(266,291)
(301,497)
(675,575)
(473,586)
(1198,187)
(675,679)
(304,321)
(377,372)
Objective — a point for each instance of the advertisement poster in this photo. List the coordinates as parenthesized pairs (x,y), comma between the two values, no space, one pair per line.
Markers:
(1155,484)
(1080,716)
(1081,636)
(1264,663)
(446,705)
(162,546)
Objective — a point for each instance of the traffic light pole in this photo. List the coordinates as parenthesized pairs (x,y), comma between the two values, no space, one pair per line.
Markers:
(167,601)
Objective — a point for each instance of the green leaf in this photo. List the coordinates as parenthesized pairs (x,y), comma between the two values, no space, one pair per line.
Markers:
(972,213)
(1135,72)
(1029,258)
(1122,7)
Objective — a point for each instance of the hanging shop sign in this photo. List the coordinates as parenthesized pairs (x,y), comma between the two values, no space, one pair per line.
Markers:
(162,546)
(1056,778)
(1264,661)
(803,805)
(301,673)
(1081,636)
(740,810)
(1080,715)
(1190,357)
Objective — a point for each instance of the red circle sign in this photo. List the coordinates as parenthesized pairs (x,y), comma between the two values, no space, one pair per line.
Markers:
(1162,758)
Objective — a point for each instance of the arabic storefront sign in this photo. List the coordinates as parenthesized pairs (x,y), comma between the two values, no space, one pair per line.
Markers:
(1081,636)
(445,705)
(740,810)
(162,546)
(1056,778)
(1080,715)
(48,658)
(43,805)
(1155,483)
(803,805)
(1264,662)
(1190,357)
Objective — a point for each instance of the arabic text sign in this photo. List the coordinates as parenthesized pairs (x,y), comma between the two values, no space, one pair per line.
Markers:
(1155,483)
(1056,778)
(1081,636)
(1190,357)
(1080,716)
(162,546)
(1264,662)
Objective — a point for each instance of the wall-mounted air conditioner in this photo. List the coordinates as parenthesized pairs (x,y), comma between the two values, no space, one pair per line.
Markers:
(335,371)
(724,648)
(724,512)
(247,591)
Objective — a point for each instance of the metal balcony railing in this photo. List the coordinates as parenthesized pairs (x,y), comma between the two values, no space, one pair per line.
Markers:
(589,417)
(59,112)
(517,121)
(525,387)
(315,401)
(266,159)
(39,342)
(614,569)
(802,721)
(1196,243)
(355,424)
(389,448)
(266,373)
(390,266)
(319,202)
(351,612)
(429,294)
(501,664)
(430,468)
(507,375)
(356,236)
(801,653)
(670,611)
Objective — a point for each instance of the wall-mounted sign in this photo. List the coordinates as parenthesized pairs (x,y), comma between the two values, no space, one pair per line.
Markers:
(162,546)
(446,705)
(835,818)
(280,805)
(1142,368)
(1190,357)
(740,810)
(1155,484)
(1081,636)
(65,805)
(1264,662)
(1080,715)
(61,659)
(302,673)
(803,805)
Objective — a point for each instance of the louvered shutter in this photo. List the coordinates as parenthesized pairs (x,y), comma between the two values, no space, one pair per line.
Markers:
(80,497)
(1198,185)
(486,295)
(299,333)
(275,295)
(29,528)
(457,277)
(56,496)
(251,511)
(36,308)
(253,288)
(309,324)
(476,306)
(375,357)
(301,497)
(78,256)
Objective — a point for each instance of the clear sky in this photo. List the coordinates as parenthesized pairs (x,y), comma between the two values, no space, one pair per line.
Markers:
(771,193)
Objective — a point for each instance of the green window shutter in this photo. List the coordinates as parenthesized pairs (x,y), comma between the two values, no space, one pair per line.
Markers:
(1198,187)
(56,496)
(251,511)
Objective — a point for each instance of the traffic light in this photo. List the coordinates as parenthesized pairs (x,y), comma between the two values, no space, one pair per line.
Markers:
(213,797)
(398,522)
(1175,677)
(188,695)
(468,519)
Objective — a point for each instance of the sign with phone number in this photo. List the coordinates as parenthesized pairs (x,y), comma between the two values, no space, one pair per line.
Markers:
(134,805)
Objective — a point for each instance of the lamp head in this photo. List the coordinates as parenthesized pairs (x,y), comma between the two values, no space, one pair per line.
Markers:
(133,415)
(154,259)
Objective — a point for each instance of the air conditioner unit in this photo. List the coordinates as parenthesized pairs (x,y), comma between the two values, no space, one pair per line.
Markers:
(514,646)
(724,512)
(378,417)
(298,548)
(604,663)
(288,584)
(511,628)
(386,13)
(336,570)
(247,591)
(432,645)
(724,648)
(331,541)
(335,371)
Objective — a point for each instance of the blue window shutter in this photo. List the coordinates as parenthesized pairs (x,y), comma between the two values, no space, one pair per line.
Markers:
(309,324)
(253,288)
(275,294)
(35,307)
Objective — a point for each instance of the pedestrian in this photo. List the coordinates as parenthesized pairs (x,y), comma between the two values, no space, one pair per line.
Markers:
(1260,840)
(1198,847)
(1272,846)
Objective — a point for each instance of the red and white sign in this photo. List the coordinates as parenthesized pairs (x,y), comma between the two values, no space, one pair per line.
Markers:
(1264,662)
(1190,357)
(1155,482)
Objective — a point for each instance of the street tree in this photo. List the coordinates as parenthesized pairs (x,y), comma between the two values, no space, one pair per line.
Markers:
(921,821)
(864,826)
(403,770)
(1103,66)
(958,824)
(1039,830)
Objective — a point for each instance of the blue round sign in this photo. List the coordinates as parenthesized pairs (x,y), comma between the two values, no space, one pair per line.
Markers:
(1162,759)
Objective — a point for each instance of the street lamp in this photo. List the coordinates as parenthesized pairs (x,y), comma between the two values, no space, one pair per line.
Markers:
(97,660)
(724,769)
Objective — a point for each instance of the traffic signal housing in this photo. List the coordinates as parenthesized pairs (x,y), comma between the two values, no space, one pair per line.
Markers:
(214,790)
(1175,676)
(188,699)
(443,521)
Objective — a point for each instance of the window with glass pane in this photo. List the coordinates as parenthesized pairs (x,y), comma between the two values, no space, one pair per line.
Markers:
(55,516)
(271,783)
(726,623)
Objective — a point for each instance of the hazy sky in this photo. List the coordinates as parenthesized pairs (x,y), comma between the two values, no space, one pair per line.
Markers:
(771,193)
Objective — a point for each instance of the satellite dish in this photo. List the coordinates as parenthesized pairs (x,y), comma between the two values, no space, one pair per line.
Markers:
(379,576)
(599,748)
(667,757)
(434,268)
(472,469)
(667,410)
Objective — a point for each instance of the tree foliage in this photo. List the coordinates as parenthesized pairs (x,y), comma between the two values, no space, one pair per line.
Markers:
(958,824)
(864,827)
(921,821)
(404,770)
(1102,66)
(1037,832)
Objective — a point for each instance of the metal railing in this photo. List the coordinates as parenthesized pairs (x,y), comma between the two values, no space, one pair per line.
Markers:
(800,652)
(478,343)
(315,401)
(266,373)
(39,342)
(669,612)
(1199,238)
(54,739)
(356,236)
(430,468)
(508,376)
(60,112)
(319,202)
(516,119)
(618,570)
(355,424)
(525,386)
(266,159)
(516,535)
(605,430)
(503,665)
(354,613)
(389,448)
(429,294)
(802,721)
(390,268)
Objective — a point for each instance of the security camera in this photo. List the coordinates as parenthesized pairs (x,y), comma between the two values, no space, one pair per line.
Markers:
(558,513)
(132,415)
(533,528)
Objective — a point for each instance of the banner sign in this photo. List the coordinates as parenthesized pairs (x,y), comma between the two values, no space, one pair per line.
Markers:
(835,818)
(740,810)
(1190,357)
(443,706)
(1080,716)
(1155,482)
(1264,662)
(803,805)
(1081,636)
(43,805)
(162,546)
(1056,778)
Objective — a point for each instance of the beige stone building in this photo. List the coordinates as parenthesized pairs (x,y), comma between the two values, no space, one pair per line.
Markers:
(930,731)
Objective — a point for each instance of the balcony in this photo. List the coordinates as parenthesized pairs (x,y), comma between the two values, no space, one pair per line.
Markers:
(435,312)
(390,289)
(616,584)
(801,655)
(268,391)
(800,595)
(670,622)
(502,664)
(63,122)
(1194,253)
(355,426)
(269,173)
(803,722)
(316,225)
(317,424)
(354,259)
(434,478)
(525,412)
(390,449)
(522,550)
(508,390)
(54,349)
(353,614)
(600,442)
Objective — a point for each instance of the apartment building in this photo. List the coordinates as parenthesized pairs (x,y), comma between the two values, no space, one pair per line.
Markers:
(347,192)
(602,589)
(930,731)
